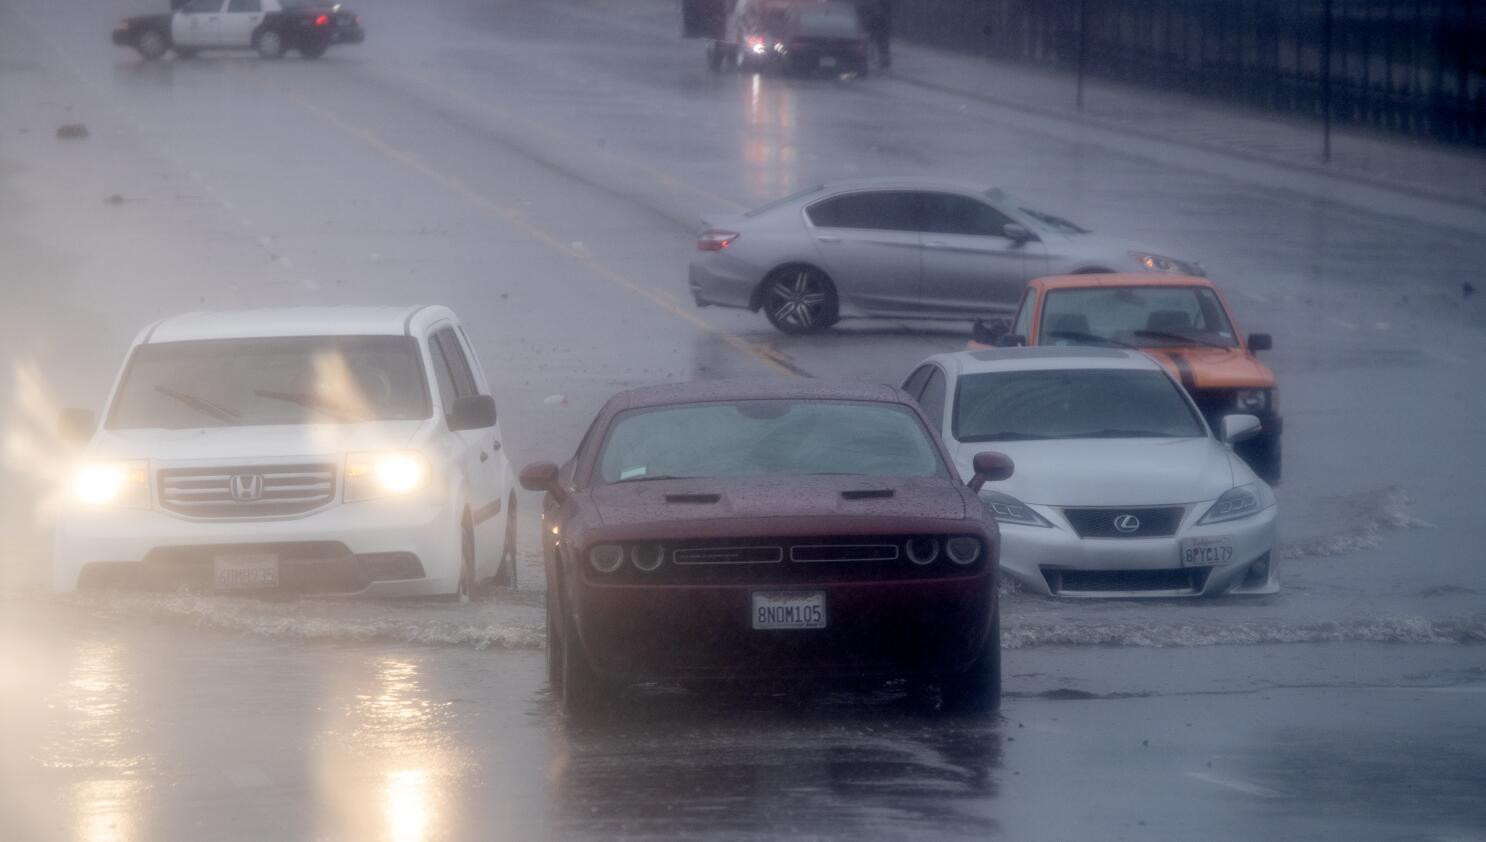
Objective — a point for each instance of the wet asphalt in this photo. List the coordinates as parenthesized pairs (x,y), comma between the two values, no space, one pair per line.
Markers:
(541,167)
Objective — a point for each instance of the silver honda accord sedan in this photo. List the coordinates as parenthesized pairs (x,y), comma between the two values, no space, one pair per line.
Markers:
(896,248)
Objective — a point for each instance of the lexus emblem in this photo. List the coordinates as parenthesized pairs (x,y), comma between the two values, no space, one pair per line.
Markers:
(245,488)
(1127,523)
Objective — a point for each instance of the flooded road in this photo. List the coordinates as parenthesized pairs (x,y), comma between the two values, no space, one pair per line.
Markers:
(541,168)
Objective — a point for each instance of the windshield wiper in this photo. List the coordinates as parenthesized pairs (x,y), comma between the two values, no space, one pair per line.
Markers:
(1080,336)
(200,404)
(1180,337)
(307,401)
(1010,435)
(1125,434)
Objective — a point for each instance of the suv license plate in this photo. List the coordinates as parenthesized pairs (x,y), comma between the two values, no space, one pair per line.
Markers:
(245,571)
(789,609)
(1206,552)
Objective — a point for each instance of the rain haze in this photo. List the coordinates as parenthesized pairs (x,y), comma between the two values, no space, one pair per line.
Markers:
(731,419)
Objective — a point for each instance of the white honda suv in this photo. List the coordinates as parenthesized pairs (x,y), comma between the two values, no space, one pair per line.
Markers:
(314,450)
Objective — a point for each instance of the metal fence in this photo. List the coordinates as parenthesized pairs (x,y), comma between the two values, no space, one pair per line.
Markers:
(1412,66)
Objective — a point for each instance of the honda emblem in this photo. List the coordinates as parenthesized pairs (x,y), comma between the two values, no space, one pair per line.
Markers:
(245,488)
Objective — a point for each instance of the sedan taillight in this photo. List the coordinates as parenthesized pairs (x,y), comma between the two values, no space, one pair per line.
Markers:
(714,239)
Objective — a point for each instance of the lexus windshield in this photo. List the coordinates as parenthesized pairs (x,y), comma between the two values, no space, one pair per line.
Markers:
(1071,404)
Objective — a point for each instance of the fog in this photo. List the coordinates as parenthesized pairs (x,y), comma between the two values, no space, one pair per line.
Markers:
(542,170)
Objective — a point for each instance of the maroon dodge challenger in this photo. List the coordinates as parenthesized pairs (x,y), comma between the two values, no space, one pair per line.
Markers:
(779,530)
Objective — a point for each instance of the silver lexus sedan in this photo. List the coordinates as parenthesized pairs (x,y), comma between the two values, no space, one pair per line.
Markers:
(896,248)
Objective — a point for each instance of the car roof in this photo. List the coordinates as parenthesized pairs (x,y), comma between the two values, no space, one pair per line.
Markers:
(769,388)
(1045,358)
(285,321)
(1122,279)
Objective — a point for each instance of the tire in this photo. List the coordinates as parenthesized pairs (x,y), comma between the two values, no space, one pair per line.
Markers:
(799,300)
(506,576)
(1264,456)
(152,44)
(270,44)
(977,690)
(554,642)
(467,583)
(313,50)
(584,694)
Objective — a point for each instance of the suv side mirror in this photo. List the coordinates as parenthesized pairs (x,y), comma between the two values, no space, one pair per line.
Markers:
(991,466)
(989,331)
(1018,233)
(543,476)
(76,425)
(1236,428)
(1260,342)
(472,412)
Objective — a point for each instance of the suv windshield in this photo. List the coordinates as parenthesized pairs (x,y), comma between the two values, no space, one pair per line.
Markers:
(1144,316)
(768,438)
(259,382)
(1071,404)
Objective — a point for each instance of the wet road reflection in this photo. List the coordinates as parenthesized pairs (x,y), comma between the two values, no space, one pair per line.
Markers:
(771,156)
(680,764)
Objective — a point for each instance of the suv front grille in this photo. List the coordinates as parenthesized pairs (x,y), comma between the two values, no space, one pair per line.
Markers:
(246,491)
(1133,522)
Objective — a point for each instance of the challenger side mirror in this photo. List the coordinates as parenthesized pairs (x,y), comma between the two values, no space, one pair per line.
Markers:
(76,425)
(1236,428)
(1260,342)
(1017,233)
(542,476)
(991,466)
(472,412)
(989,331)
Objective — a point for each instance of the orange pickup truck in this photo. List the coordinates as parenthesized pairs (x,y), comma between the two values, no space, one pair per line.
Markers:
(1182,322)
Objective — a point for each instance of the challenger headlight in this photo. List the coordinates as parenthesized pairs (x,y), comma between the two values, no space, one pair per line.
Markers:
(1238,502)
(1152,262)
(385,474)
(123,484)
(1008,509)
(963,549)
(1253,400)
(606,558)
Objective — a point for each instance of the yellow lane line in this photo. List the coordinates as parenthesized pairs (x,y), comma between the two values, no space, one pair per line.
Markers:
(513,217)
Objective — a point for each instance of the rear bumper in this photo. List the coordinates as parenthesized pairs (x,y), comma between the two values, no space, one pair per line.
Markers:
(346,548)
(350,35)
(123,37)
(716,278)
(874,629)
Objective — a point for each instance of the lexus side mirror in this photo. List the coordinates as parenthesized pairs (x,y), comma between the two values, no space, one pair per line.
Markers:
(472,412)
(1260,342)
(76,425)
(542,476)
(989,331)
(1236,428)
(1017,233)
(991,466)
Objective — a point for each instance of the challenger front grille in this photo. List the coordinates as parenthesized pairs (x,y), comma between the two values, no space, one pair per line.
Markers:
(260,491)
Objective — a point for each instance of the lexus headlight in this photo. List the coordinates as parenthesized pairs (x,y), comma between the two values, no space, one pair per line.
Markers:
(1008,509)
(1253,400)
(384,474)
(1152,262)
(123,484)
(1237,503)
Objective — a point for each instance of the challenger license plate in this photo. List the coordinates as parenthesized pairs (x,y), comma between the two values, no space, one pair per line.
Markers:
(789,609)
(245,571)
(1206,552)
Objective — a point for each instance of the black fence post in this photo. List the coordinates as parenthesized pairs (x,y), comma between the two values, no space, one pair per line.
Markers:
(1326,83)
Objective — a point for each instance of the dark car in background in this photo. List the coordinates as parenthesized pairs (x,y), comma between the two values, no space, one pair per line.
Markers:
(823,37)
(779,532)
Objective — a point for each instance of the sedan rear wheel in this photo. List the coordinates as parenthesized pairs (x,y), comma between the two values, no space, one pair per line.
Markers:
(800,299)
(152,44)
(270,44)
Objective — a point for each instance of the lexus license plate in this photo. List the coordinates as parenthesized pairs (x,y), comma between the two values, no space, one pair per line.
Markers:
(789,609)
(245,571)
(1206,552)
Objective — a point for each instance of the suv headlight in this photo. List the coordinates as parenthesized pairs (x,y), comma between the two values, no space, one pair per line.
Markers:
(1008,509)
(122,484)
(385,474)
(1152,262)
(1253,400)
(1238,502)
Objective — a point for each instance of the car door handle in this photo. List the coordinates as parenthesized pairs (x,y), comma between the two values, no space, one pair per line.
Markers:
(484,457)
(828,239)
(495,445)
